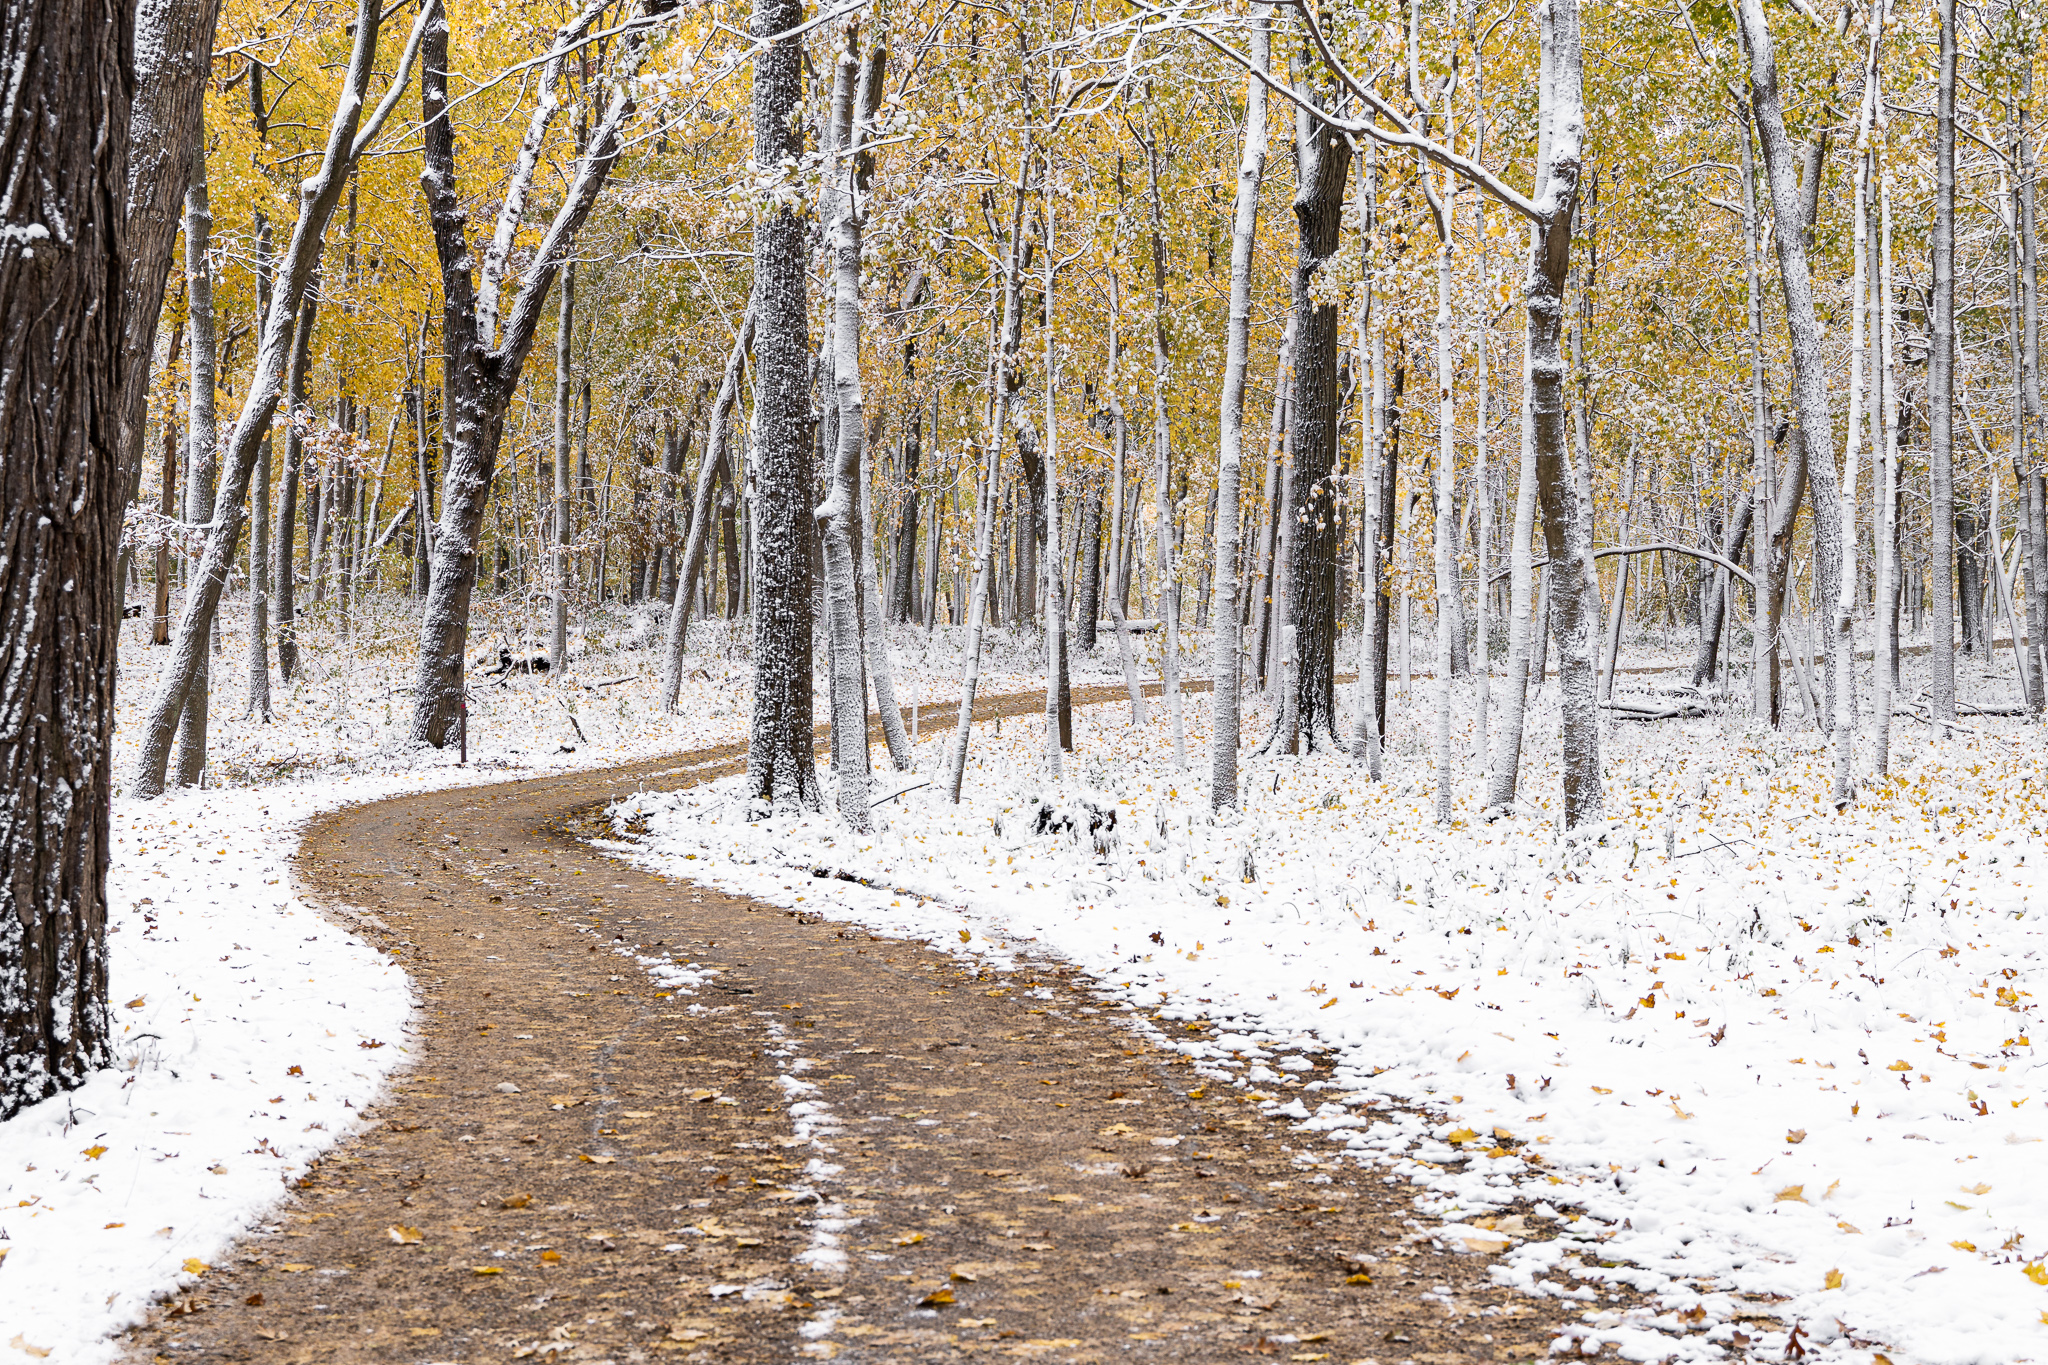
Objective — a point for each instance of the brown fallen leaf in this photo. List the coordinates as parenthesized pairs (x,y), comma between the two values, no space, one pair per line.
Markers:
(515,1201)
(938,1298)
(254,1301)
(295,1268)
(910,1239)
(402,1235)
(1796,1136)
(488,1269)
(551,1256)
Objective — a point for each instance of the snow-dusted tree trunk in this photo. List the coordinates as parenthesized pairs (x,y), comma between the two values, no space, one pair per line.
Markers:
(1809,370)
(2033,489)
(1765,593)
(173,54)
(1324,162)
(780,767)
(1842,635)
(857,93)
(881,673)
(202,435)
(481,366)
(1507,764)
(1058,722)
(563,524)
(715,444)
(1446,563)
(1941,359)
(1482,482)
(1617,611)
(977,617)
(349,133)
(1226,643)
(259,497)
(63,487)
(1002,375)
(1162,461)
(1885,661)
(284,571)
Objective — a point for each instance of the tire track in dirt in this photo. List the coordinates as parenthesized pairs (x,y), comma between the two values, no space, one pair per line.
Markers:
(828,1145)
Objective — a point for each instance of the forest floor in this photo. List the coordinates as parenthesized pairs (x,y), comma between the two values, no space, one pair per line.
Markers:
(808,1142)
(149,1196)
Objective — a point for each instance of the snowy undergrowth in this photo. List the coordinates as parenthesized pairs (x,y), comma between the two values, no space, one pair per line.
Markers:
(1773,1061)
(249,1030)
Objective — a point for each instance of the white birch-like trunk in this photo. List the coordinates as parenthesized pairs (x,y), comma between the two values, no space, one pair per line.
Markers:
(1884,662)
(1446,496)
(202,434)
(564,505)
(1226,644)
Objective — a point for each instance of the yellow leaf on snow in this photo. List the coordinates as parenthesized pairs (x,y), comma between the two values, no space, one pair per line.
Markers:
(195,1266)
(20,1343)
(1790,1194)
(2034,1272)
(95,1152)
(1461,1135)
(1834,1280)
(1899,1065)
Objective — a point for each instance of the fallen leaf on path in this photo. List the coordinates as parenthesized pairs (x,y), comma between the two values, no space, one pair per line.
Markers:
(938,1298)
(402,1235)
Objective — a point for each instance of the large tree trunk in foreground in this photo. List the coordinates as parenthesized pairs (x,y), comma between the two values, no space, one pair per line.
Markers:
(64,134)
(780,769)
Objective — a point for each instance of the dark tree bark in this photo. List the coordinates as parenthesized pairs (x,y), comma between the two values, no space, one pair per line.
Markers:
(1714,612)
(780,768)
(173,52)
(903,583)
(1323,160)
(1383,600)
(481,367)
(64,272)
(1090,603)
(1969,580)
(285,591)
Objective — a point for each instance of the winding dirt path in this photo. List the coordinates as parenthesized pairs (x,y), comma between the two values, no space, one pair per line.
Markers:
(583,1165)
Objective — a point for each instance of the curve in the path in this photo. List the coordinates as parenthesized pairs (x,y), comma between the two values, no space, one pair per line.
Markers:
(830,1145)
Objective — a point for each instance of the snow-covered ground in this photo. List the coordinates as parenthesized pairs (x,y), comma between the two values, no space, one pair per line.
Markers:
(1769,1062)
(250,1029)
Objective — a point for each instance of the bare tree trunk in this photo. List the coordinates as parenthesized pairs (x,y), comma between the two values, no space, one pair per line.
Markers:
(202,434)
(285,574)
(1162,437)
(63,484)
(1941,376)
(694,550)
(167,507)
(1446,492)
(1090,605)
(2034,489)
(780,768)
(565,507)
(1224,667)
(1884,650)
(259,496)
(1323,162)
(1813,460)
(348,135)
(856,95)
(481,368)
